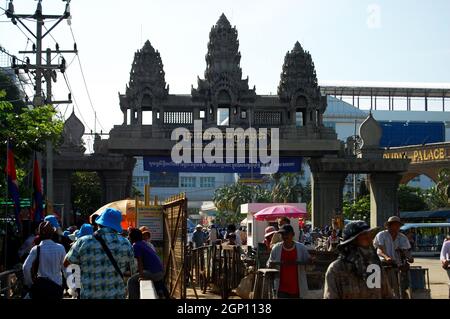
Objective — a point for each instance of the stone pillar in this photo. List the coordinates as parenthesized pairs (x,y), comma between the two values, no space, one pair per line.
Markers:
(116,185)
(62,195)
(327,196)
(383,197)
(125,117)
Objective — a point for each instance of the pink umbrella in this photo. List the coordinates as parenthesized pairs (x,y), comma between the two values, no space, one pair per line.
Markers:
(274,212)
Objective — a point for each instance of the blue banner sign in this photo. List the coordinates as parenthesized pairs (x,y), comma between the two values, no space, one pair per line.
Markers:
(165,164)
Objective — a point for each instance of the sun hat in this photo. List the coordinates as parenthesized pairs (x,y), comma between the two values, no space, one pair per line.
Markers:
(111,218)
(394,219)
(52,220)
(145,230)
(353,230)
(85,230)
(270,230)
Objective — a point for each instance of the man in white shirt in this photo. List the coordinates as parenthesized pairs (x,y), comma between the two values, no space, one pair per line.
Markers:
(390,245)
(445,259)
(49,281)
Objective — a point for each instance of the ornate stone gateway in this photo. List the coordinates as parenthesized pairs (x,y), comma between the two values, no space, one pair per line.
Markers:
(223,99)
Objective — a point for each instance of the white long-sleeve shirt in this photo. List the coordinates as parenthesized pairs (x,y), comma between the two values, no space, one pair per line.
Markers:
(445,252)
(51,261)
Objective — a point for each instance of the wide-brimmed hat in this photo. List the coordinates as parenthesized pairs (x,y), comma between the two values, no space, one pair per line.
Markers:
(199,226)
(393,219)
(354,229)
(111,218)
(269,231)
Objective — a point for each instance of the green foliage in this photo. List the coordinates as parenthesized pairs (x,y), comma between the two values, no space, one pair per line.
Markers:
(86,193)
(438,196)
(411,199)
(359,210)
(286,189)
(28,129)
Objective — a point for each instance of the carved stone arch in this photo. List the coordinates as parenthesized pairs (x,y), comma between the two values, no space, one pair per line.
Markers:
(224,95)
(409,176)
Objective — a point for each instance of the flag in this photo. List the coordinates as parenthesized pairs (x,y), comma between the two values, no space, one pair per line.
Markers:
(38,202)
(13,185)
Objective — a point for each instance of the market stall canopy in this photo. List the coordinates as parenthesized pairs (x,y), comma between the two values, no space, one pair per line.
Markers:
(273,212)
(128,209)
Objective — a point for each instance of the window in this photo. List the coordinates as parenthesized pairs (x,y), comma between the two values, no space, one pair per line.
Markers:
(147,117)
(140,181)
(299,119)
(243,114)
(202,114)
(208,182)
(416,179)
(187,182)
(223,116)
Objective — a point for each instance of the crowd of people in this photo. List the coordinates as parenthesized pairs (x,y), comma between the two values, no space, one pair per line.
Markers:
(361,251)
(231,235)
(106,261)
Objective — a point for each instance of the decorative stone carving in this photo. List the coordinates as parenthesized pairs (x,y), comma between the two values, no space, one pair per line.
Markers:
(223,81)
(147,86)
(73,135)
(370,132)
(298,85)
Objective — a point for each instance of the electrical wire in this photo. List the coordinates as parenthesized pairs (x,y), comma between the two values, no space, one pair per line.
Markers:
(75,101)
(85,83)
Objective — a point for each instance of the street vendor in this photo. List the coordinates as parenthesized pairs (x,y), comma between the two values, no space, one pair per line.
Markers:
(350,276)
(290,258)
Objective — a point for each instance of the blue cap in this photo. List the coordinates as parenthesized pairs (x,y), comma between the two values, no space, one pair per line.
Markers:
(66,233)
(111,218)
(52,220)
(85,230)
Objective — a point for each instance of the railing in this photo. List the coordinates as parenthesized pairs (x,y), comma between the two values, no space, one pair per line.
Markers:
(11,284)
(216,267)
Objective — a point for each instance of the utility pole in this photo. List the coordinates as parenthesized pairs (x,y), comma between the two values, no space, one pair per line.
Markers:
(47,71)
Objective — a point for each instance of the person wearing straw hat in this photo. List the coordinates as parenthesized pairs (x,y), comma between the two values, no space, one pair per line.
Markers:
(357,273)
(393,249)
(104,258)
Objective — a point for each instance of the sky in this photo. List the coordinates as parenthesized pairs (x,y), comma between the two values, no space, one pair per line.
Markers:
(349,40)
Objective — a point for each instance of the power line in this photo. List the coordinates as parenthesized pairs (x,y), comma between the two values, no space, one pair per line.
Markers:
(84,81)
(75,101)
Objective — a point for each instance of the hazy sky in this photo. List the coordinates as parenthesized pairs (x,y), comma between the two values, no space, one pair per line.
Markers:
(350,40)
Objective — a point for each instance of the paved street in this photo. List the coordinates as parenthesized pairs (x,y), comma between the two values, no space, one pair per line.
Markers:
(438,277)
(438,283)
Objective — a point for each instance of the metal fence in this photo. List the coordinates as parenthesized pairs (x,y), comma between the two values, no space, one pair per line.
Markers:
(216,267)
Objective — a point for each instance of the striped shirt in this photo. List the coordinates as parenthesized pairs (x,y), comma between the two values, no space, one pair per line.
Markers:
(51,260)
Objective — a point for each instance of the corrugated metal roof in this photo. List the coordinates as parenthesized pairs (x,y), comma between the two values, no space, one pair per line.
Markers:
(340,109)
